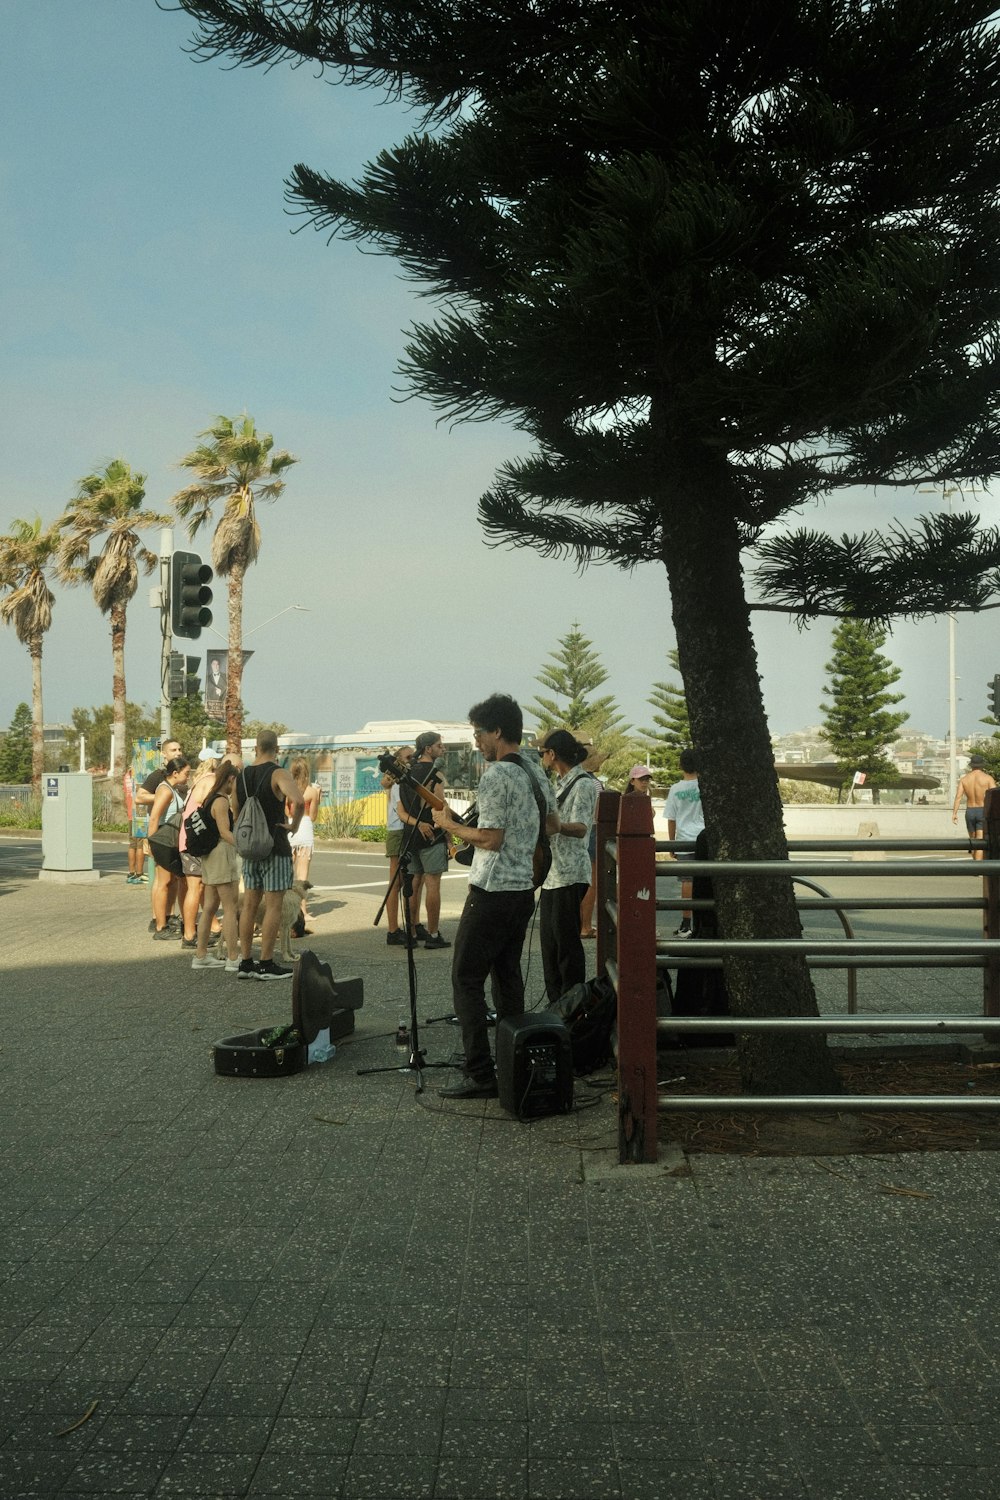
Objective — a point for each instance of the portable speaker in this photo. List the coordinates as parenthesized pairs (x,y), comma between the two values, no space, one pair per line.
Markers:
(534,1065)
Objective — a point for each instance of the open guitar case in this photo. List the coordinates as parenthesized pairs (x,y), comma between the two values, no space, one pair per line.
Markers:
(320,1003)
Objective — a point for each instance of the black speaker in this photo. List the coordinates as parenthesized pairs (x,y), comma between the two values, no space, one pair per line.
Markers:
(534,1065)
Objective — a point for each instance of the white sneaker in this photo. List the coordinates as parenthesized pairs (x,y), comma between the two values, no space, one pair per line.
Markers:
(232,965)
(208,962)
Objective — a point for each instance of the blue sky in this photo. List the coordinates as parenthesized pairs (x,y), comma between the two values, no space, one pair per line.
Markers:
(151,280)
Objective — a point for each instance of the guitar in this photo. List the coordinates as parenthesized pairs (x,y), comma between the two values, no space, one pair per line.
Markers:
(398,772)
(541,859)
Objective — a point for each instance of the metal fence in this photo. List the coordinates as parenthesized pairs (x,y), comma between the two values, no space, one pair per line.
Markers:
(630,951)
(28,804)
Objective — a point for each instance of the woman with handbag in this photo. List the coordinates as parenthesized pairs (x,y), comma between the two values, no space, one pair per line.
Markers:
(563,961)
(164,815)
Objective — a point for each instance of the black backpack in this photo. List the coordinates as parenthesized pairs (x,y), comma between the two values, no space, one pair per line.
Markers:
(589,1012)
(201,831)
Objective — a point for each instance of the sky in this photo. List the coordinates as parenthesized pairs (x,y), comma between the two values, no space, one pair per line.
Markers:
(152,279)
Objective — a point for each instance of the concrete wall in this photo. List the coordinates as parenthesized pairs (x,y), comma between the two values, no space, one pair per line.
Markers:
(830,821)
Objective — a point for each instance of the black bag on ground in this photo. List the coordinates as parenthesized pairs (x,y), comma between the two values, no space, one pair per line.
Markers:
(589,1012)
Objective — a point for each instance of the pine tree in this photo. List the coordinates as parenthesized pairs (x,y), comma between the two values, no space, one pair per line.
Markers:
(859,721)
(672,733)
(574,673)
(15,751)
(715,260)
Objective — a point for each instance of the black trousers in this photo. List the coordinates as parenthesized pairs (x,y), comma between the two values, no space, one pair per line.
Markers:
(488,945)
(563,961)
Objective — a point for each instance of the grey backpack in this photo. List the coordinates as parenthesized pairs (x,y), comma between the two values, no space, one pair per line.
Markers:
(251,835)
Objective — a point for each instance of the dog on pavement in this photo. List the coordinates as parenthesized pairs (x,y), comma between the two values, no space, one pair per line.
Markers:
(291,907)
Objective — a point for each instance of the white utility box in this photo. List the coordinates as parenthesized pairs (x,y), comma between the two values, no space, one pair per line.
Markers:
(68,828)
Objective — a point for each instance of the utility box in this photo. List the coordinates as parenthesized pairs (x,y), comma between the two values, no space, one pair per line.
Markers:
(68,828)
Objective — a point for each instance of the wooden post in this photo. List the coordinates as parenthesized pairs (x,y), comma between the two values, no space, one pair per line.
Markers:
(991,914)
(607,877)
(636,940)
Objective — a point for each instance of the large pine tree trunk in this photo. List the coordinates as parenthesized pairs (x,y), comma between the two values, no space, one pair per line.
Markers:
(37,716)
(739,788)
(118,708)
(234,677)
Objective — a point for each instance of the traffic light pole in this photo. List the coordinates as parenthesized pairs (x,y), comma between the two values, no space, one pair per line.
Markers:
(166,553)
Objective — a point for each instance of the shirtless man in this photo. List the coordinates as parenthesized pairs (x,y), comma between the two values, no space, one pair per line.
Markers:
(973,787)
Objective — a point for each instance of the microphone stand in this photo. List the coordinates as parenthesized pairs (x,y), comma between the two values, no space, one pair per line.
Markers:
(417,1060)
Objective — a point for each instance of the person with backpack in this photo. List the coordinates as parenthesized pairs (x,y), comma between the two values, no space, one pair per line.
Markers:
(169,883)
(563,961)
(262,790)
(220,871)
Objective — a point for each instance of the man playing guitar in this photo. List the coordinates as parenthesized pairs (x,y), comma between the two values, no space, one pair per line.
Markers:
(501,886)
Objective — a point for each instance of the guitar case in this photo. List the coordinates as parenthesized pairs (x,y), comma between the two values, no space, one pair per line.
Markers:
(318,1003)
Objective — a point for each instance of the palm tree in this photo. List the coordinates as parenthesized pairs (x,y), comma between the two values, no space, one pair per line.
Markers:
(26,604)
(236,469)
(109,504)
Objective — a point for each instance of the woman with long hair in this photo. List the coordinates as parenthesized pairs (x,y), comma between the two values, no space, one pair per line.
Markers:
(220,873)
(168,803)
(563,962)
(303,840)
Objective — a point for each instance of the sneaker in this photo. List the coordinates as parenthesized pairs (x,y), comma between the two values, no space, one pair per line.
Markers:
(164,935)
(208,962)
(131,879)
(246,969)
(190,943)
(268,969)
(395,939)
(142,880)
(436,941)
(420,933)
(175,925)
(232,966)
(684,930)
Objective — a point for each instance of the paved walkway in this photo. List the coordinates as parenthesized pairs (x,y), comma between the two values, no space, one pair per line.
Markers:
(328,1286)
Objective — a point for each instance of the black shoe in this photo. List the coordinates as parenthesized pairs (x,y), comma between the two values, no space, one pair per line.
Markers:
(189,942)
(437,941)
(420,933)
(165,935)
(395,939)
(268,969)
(684,930)
(471,1088)
(175,924)
(247,969)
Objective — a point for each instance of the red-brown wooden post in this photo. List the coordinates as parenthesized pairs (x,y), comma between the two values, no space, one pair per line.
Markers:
(607,877)
(636,955)
(991,914)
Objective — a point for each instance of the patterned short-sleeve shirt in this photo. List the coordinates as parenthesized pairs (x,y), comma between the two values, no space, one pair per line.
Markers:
(507,801)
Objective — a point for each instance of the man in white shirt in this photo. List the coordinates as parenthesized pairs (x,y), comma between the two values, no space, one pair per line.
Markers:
(685,820)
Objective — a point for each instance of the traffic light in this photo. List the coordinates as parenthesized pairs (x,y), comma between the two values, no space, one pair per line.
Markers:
(993,691)
(190,595)
(175,676)
(192,679)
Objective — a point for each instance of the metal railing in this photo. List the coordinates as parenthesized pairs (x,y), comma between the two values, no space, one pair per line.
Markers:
(629,951)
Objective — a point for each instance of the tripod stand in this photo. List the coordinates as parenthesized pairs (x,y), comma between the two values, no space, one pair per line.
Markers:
(403,878)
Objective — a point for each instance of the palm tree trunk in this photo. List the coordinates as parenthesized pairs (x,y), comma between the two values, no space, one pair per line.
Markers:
(234,679)
(118,703)
(37,716)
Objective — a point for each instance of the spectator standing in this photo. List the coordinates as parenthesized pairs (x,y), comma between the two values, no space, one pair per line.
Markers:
(394,835)
(428,851)
(563,962)
(167,886)
(685,820)
(268,879)
(303,840)
(220,872)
